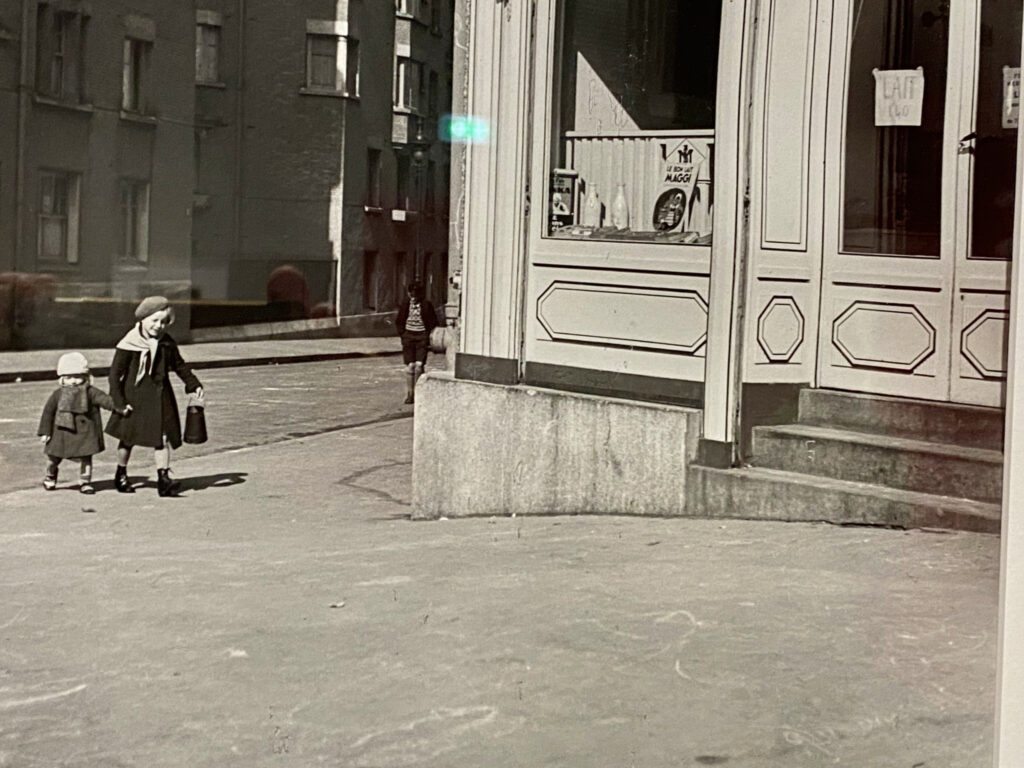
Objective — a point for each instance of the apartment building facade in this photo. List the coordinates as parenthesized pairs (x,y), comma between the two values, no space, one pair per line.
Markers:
(253,160)
(96,105)
(321,186)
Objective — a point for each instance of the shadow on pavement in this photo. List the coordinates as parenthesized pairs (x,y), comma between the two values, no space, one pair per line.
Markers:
(203,482)
(194,483)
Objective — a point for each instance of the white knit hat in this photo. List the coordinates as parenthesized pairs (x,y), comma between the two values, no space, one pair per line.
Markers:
(72,364)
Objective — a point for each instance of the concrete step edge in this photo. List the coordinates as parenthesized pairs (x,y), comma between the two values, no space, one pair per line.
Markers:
(880,441)
(867,489)
(815,393)
(955,423)
(834,501)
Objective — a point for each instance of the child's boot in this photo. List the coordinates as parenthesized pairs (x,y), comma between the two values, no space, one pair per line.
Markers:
(165,486)
(85,478)
(121,481)
(50,480)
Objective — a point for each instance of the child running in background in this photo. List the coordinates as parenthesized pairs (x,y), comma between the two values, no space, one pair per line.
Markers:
(140,377)
(415,321)
(70,427)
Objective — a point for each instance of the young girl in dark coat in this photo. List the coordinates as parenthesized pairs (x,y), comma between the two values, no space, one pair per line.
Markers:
(70,427)
(140,377)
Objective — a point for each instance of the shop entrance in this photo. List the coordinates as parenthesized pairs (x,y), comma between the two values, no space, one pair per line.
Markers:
(919,198)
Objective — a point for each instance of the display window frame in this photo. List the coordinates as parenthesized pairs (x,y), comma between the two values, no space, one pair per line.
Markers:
(591,251)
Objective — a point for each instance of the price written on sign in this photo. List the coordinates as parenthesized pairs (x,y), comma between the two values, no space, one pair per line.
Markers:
(899,94)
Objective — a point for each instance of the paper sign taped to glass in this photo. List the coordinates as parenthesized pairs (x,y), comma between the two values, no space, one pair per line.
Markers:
(1011,97)
(684,190)
(899,94)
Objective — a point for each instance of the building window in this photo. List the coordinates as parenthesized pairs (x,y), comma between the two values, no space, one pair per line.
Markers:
(207,47)
(432,95)
(371,281)
(409,84)
(58,216)
(134,220)
(435,17)
(332,63)
(60,48)
(401,279)
(430,194)
(404,186)
(373,178)
(133,80)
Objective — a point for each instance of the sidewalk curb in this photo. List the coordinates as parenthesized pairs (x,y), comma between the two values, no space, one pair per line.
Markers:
(12,377)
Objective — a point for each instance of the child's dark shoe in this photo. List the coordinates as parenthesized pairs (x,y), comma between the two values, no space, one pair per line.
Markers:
(165,485)
(49,483)
(121,481)
(86,487)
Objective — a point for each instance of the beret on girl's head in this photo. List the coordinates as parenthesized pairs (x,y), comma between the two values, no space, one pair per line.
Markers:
(149,305)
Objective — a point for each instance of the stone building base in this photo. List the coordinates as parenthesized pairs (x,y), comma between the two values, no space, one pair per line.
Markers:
(485,449)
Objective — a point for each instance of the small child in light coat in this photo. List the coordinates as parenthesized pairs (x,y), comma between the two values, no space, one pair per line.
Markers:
(70,427)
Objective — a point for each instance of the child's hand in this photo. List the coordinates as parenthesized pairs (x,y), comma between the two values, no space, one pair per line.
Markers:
(44,438)
(126,411)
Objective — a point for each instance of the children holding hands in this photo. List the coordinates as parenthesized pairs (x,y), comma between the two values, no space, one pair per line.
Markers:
(141,398)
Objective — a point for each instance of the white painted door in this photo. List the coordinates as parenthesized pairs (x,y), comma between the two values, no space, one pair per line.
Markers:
(986,169)
(913,303)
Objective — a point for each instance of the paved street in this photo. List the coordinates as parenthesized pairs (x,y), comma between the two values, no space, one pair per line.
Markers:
(245,406)
(286,612)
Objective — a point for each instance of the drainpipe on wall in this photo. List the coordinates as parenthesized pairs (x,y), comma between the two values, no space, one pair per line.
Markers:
(24,94)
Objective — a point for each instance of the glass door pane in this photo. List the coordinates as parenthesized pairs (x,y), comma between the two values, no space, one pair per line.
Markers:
(995,152)
(893,173)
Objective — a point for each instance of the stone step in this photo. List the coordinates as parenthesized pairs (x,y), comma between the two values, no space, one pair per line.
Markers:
(757,493)
(897,462)
(921,419)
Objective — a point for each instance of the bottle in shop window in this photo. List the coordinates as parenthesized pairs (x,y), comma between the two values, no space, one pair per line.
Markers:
(620,209)
(700,211)
(592,208)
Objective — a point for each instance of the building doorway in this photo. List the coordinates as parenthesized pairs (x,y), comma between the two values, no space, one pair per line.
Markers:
(919,198)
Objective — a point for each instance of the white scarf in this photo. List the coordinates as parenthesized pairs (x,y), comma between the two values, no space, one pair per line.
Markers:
(134,341)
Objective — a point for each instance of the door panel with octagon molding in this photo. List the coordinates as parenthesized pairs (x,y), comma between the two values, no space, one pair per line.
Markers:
(919,198)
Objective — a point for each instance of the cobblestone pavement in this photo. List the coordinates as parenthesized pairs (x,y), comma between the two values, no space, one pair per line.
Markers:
(245,406)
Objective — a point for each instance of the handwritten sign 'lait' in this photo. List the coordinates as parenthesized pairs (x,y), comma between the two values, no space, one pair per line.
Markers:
(899,94)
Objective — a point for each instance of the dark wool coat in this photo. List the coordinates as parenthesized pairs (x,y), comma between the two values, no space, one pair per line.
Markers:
(154,409)
(86,437)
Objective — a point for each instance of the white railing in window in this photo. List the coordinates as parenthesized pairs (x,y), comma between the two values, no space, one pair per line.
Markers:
(637,159)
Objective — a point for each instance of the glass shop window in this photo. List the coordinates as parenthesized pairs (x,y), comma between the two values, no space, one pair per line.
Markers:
(893,181)
(634,115)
